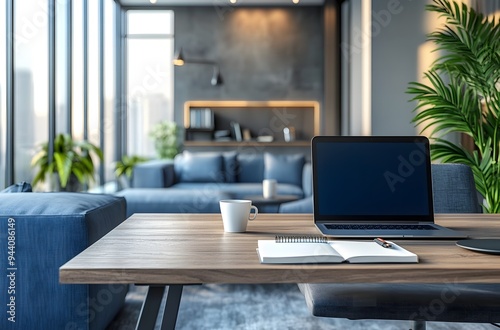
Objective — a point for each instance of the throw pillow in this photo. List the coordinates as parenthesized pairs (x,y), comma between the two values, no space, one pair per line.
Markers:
(250,167)
(18,187)
(284,168)
(202,167)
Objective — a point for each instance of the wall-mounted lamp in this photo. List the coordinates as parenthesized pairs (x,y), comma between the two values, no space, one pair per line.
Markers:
(179,60)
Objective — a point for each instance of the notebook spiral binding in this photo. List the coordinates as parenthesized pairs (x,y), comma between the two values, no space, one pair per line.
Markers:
(300,239)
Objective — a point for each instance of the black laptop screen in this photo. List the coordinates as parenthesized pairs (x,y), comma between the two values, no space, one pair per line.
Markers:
(372,178)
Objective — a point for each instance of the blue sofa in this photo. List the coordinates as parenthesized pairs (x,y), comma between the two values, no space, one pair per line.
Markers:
(39,233)
(194,182)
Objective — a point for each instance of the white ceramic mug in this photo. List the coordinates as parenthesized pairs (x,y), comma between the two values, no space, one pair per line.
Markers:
(269,188)
(236,213)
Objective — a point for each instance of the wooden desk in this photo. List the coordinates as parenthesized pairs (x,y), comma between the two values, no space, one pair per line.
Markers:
(179,249)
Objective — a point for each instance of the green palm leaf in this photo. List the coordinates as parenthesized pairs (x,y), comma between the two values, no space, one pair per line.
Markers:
(469,102)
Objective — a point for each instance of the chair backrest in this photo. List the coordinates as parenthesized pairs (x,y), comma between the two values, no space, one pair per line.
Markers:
(454,189)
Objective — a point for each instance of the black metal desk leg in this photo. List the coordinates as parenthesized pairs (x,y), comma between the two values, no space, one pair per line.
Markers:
(172,307)
(150,308)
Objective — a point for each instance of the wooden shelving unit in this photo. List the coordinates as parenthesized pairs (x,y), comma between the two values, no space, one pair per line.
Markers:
(268,117)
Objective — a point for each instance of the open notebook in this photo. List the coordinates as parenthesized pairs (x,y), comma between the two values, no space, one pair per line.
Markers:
(272,251)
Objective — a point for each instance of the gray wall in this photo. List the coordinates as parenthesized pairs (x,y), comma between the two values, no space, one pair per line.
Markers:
(264,54)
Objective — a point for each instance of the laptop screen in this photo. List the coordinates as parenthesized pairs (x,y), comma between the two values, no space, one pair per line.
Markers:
(372,178)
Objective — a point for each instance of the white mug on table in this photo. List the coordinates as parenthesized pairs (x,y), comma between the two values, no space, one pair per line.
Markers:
(236,213)
(269,188)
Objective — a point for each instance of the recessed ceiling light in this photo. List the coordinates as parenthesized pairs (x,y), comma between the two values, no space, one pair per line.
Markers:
(153,1)
(232,1)
(295,1)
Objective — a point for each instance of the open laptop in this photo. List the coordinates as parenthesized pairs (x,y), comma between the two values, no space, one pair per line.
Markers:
(372,186)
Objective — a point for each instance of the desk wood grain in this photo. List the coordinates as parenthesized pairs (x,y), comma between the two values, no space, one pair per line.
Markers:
(193,248)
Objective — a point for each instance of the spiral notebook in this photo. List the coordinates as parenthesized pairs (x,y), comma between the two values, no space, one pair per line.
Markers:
(299,250)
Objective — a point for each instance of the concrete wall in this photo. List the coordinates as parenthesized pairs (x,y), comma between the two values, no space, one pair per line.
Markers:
(264,54)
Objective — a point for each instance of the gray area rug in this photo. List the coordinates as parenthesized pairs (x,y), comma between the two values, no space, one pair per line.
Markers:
(257,307)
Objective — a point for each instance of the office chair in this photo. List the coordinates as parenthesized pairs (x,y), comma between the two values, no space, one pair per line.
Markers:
(454,192)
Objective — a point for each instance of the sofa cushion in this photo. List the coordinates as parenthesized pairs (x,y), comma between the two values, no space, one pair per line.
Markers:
(157,173)
(22,186)
(230,167)
(284,168)
(203,198)
(250,167)
(201,167)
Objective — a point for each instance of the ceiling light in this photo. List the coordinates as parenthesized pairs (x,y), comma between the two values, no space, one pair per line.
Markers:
(232,1)
(153,1)
(295,1)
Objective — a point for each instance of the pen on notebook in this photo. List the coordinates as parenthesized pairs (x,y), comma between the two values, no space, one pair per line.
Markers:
(382,242)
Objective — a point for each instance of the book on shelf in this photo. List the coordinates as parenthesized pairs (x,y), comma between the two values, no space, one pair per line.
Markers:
(313,250)
(236,131)
(201,118)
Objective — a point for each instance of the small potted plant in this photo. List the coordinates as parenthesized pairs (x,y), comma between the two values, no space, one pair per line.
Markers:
(72,163)
(125,167)
(165,136)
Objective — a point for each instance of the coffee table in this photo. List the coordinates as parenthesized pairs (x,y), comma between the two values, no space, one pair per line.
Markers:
(174,250)
(271,204)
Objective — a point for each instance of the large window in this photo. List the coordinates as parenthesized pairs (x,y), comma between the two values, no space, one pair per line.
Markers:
(83,80)
(150,76)
(63,52)
(93,84)
(31,88)
(78,69)
(111,103)
(82,85)
(3,95)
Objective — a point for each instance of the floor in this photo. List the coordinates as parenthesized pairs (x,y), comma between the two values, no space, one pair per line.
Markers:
(258,307)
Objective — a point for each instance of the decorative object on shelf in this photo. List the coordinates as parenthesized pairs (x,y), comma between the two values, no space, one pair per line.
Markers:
(289,134)
(165,136)
(265,138)
(464,95)
(236,131)
(125,167)
(247,135)
(222,135)
(216,80)
(72,163)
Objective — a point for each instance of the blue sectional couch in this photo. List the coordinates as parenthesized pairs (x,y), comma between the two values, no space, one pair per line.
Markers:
(194,182)
(39,233)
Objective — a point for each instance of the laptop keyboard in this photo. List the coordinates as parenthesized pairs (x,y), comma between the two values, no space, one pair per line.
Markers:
(378,227)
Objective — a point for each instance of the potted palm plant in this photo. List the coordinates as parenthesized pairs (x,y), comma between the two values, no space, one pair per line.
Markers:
(72,162)
(463,95)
